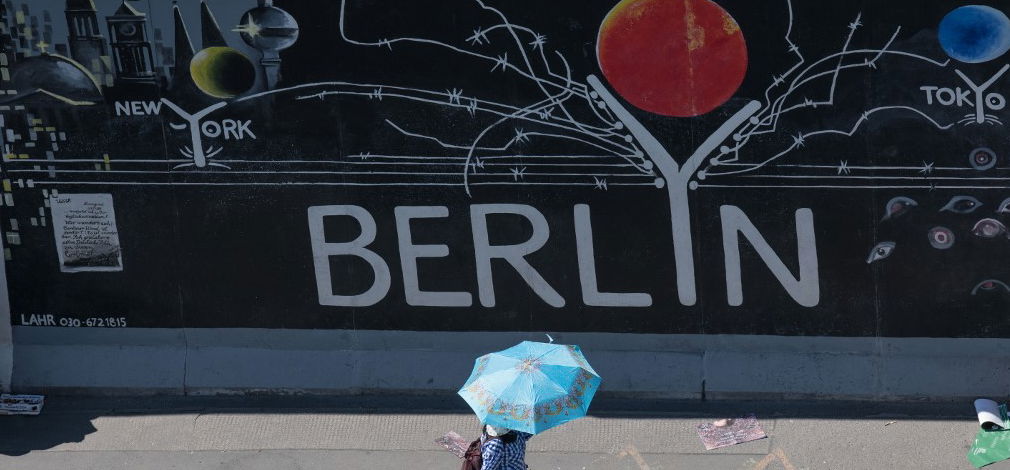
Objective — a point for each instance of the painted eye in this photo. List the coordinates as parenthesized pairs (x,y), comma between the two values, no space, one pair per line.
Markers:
(962,205)
(1004,207)
(982,158)
(881,251)
(988,228)
(941,238)
(990,285)
(897,207)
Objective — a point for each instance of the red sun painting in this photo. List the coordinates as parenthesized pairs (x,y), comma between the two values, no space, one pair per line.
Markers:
(672,57)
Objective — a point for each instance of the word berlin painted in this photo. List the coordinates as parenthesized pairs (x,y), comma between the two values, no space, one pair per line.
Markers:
(804,290)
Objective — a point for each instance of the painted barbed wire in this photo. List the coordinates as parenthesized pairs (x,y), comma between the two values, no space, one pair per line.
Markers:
(554,111)
(777,100)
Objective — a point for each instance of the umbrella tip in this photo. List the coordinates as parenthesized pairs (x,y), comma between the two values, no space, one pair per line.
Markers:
(549,338)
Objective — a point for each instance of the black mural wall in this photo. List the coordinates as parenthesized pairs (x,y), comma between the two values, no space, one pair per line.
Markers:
(641,166)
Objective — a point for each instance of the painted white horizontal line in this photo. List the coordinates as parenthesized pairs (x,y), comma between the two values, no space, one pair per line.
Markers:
(848,177)
(519,183)
(140,183)
(226,173)
(863,167)
(776,186)
(40,161)
(356,163)
(477,157)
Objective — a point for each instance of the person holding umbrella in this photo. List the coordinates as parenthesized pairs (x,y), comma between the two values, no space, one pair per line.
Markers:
(503,448)
(524,390)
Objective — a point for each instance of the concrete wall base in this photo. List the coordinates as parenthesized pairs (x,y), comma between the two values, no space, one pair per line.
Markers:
(248,361)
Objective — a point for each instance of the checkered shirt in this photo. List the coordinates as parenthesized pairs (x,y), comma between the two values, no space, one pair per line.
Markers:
(498,455)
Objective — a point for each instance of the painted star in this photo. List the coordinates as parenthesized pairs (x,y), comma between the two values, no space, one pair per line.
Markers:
(927,168)
(250,27)
(518,174)
(843,167)
(601,183)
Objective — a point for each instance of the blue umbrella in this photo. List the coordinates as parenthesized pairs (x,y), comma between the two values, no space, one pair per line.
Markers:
(531,387)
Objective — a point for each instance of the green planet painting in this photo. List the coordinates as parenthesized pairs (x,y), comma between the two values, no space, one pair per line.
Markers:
(222,72)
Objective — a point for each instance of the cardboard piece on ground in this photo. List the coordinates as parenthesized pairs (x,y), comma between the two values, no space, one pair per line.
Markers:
(992,442)
(454,443)
(728,432)
(21,404)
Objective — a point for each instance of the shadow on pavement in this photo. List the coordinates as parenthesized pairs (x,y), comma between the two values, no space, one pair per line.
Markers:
(20,435)
(69,419)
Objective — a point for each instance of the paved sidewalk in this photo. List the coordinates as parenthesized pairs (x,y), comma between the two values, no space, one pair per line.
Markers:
(394,432)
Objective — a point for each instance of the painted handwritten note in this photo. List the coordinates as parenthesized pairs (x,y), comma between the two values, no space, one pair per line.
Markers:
(87,238)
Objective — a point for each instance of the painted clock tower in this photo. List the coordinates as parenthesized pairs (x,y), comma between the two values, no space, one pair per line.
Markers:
(134,59)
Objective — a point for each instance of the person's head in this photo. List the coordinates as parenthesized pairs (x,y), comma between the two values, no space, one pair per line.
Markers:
(505,434)
(495,431)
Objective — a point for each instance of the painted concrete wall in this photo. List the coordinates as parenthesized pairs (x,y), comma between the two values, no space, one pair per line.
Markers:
(6,334)
(791,197)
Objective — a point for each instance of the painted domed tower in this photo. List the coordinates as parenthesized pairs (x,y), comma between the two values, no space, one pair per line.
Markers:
(54,77)
(269,30)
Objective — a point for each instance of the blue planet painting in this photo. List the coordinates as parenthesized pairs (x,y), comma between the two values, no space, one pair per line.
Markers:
(975,33)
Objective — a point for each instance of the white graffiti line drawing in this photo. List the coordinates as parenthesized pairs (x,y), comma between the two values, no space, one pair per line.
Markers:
(557,88)
(618,148)
(589,117)
(756,118)
(196,152)
(980,116)
(677,180)
(553,111)
(767,120)
(800,139)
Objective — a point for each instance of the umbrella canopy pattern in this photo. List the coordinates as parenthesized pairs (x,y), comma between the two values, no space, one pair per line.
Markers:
(531,387)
